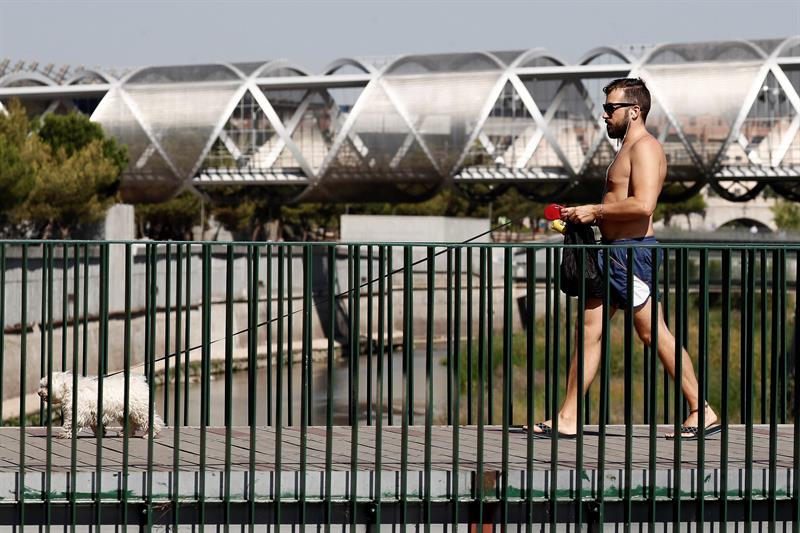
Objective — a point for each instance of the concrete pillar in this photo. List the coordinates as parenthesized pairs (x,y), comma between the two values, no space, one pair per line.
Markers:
(119,226)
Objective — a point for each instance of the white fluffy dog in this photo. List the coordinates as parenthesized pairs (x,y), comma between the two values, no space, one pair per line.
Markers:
(113,403)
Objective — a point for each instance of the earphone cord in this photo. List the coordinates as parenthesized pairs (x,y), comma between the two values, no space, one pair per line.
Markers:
(620,142)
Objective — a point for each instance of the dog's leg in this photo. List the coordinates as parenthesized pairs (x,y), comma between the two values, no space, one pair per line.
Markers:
(139,421)
(66,431)
(158,424)
(66,419)
(95,427)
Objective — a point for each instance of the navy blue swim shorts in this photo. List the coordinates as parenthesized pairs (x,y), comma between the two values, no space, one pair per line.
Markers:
(642,269)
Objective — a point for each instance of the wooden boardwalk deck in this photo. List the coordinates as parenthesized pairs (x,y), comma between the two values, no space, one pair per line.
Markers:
(441,449)
(186,482)
(441,461)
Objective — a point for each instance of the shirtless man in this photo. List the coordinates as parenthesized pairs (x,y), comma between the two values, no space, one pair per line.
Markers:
(633,184)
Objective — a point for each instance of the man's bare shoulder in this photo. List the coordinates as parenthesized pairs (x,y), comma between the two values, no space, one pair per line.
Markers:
(647,146)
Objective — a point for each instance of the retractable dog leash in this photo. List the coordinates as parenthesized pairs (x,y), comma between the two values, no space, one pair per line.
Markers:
(339,295)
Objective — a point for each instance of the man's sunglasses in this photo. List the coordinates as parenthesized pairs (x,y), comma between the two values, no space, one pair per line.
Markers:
(610,108)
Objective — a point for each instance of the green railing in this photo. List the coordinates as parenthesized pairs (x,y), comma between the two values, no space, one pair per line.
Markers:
(386,384)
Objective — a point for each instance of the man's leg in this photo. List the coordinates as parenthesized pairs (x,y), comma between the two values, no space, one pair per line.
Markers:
(593,332)
(642,317)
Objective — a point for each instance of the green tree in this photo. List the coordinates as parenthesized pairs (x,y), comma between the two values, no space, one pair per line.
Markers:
(515,207)
(170,220)
(787,215)
(74,132)
(68,191)
(238,218)
(56,174)
(21,155)
(303,221)
(695,205)
(246,211)
(446,203)
(235,209)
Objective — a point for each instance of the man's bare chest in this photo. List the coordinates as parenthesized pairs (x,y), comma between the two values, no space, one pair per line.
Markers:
(618,176)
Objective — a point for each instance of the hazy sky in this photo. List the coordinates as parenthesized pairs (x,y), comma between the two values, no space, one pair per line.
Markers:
(314,33)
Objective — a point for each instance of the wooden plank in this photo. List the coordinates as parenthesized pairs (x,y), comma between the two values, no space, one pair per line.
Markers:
(441,449)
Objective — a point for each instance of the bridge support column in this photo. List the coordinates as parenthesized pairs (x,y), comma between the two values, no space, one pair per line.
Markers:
(489,483)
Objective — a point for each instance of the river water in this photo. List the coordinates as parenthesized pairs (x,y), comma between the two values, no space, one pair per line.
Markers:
(320,395)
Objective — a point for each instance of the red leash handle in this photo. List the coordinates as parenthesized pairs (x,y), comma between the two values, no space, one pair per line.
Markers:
(553,211)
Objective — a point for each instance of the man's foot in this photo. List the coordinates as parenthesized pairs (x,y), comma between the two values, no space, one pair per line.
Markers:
(543,431)
(690,429)
(566,429)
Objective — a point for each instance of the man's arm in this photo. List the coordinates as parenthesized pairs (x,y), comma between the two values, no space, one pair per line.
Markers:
(645,187)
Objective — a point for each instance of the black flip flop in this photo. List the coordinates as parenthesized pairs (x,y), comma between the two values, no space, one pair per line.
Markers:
(694,432)
(546,432)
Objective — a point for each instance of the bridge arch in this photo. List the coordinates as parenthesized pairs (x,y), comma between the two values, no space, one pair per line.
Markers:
(748,223)
(606,51)
(405,132)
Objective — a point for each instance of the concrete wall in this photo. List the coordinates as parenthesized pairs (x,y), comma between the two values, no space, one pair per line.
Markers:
(389,228)
(294,267)
(11,346)
(119,224)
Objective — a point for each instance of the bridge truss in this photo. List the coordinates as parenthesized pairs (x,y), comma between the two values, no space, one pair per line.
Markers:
(727,113)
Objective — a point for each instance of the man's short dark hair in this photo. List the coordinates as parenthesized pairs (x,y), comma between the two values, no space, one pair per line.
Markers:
(635,92)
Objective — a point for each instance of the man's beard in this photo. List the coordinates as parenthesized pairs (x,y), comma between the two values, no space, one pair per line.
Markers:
(617,132)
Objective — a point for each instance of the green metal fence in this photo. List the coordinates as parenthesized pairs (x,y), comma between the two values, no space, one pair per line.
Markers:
(366,384)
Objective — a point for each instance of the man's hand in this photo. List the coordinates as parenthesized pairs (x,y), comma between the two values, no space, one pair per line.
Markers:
(582,214)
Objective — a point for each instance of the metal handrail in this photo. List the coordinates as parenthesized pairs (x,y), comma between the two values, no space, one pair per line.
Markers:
(445,436)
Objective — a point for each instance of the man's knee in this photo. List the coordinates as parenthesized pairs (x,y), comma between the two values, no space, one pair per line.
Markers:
(592,332)
(643,322)
(645,337)
(644,331)
(593,321)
